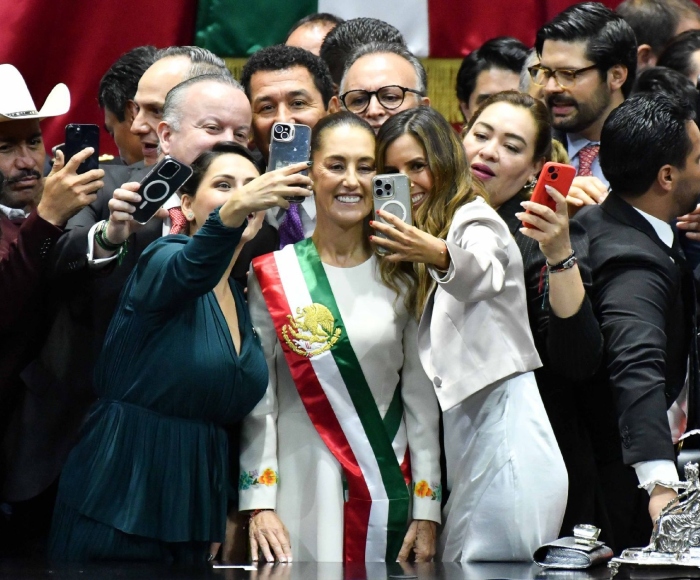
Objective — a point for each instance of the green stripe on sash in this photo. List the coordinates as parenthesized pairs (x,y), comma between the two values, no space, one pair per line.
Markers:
(379,433)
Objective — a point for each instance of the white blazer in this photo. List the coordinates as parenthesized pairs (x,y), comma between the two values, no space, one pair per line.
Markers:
(474,330)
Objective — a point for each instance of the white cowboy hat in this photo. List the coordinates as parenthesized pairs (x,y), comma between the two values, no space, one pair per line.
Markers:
(16,103)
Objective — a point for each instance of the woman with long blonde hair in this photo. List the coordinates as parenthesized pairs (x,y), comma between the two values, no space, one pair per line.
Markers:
(505,473)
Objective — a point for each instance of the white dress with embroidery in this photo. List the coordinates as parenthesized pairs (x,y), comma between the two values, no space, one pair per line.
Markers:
(286,466)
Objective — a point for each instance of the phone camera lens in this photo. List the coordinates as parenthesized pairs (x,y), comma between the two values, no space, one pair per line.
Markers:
(379,192)
(551,169)
(388,187)
(278,129)
(554,176)
(379,182)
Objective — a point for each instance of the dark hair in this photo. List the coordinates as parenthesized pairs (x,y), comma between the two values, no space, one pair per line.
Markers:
(654,21)
(503,52)
(678,54)
(203,61)
(201,164)
(318,17)
(666,80)
(118,85)
(398,50)
(610,40)
(282,57)
(335,120)
(646,132)
(538,111)
(346,37)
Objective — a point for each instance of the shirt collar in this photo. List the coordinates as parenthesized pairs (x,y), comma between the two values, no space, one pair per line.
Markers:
(13,213)
(172,201)
(662,229)
(309,205)
(575,143)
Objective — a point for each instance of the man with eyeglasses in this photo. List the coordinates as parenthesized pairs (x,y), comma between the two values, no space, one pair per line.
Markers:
(381,80)
(588,59)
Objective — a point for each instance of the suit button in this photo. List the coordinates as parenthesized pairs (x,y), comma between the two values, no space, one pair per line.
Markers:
(437,381)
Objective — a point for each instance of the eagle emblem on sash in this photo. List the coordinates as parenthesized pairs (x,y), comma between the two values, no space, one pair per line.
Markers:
(312,331)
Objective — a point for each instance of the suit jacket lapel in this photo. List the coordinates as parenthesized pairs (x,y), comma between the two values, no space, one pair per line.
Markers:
(626,214)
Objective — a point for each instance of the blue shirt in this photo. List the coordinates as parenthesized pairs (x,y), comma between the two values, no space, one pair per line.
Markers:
(574,145)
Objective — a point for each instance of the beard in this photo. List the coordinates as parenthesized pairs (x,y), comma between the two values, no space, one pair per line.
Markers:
(585,112)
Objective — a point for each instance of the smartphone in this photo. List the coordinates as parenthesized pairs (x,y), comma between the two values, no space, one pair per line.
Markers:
(166,177)
(392,194)
(289,144)
(78,137)
(560,177)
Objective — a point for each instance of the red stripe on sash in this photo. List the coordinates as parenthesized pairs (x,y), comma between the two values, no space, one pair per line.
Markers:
(357,509)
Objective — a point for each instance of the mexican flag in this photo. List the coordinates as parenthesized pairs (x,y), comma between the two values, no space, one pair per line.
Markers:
(432,28)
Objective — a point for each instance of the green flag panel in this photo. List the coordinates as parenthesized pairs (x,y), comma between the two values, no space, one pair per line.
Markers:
(238,28)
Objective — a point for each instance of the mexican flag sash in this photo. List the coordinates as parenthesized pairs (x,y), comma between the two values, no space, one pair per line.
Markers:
(371,450)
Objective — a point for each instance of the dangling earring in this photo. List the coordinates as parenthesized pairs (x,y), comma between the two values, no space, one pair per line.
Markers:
(529,187)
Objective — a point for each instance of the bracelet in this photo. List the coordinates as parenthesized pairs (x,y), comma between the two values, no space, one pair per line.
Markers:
(443,252)
(105,244)
(256,512)
(565,264)
(102,241)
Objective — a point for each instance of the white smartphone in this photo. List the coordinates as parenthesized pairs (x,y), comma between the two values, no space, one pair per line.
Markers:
(392,194)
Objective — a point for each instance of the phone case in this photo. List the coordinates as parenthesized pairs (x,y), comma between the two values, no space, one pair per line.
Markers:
(559,176)
(392,194)
(289,144)
(166,177)
(78,137)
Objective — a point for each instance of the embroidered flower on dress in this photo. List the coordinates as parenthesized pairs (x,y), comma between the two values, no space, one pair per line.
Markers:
(424,489)
(250,479)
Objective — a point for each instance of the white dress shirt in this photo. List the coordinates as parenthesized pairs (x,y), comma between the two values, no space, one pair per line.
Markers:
(664,469)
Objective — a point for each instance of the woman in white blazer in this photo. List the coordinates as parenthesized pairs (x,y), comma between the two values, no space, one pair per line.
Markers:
(505,474)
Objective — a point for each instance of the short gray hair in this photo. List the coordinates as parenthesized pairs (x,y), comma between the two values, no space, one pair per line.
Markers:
(173,109)
(203,61)
(390,48)
(525,78)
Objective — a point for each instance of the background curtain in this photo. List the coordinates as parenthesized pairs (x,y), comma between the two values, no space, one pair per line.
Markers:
(76,42)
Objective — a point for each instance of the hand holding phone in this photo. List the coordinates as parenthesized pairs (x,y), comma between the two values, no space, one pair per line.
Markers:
(556,175)
(289,143)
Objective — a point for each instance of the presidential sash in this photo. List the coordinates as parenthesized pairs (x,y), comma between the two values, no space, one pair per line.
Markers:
(371,450)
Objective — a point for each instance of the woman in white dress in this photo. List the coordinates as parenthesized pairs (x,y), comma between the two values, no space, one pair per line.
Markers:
(343,449)
(506,477)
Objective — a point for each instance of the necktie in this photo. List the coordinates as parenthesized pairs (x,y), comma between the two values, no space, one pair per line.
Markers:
(291,231)
(178,221)
(586,157)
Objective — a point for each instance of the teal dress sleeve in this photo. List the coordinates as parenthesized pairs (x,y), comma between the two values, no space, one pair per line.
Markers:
(178,268)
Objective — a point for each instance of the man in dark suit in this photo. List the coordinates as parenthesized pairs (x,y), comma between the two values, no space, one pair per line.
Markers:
(644,397)
(33,213)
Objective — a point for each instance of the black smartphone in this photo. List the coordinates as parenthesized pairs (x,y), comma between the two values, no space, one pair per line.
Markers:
(166,177)
(289,144)
(78,137)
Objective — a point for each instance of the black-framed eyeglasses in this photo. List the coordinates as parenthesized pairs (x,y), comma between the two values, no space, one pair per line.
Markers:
(390,97)
(565,77)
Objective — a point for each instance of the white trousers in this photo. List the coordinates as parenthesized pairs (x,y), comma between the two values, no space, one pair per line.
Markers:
(506,474)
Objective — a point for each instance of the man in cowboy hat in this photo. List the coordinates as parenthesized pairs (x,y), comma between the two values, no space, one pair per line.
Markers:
(33,211)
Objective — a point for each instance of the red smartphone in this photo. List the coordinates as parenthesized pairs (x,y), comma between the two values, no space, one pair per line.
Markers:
(559,176)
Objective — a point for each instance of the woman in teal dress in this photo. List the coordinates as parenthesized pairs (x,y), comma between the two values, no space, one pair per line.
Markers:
(149,478)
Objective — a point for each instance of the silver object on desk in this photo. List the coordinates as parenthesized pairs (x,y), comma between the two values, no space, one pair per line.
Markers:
(676,538)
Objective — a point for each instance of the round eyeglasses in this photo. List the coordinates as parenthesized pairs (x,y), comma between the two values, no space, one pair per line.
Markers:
(390,97)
